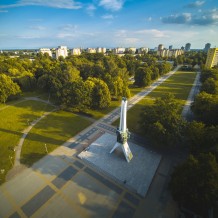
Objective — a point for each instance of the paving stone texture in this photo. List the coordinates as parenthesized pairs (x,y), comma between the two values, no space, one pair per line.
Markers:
(136,175)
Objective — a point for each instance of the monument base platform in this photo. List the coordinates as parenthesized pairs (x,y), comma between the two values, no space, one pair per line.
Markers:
(136,175)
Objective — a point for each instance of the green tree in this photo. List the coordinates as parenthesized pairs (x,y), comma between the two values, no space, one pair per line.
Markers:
(194,184)
(162,121)
(101,97)
(205,107)
(210,86)
(143,76)
(7,88)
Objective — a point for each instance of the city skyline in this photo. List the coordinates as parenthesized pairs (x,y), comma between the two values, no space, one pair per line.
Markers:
(107,23)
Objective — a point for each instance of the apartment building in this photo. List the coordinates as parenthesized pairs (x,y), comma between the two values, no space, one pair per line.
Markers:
(61,51)
(45,50)
(212,58)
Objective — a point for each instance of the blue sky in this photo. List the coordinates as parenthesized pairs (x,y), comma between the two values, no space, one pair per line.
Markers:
(107,23)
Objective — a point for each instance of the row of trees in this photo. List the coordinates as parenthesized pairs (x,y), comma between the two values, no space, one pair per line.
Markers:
(191,58)
(81,82)
(205,106)
(194,184)
(145,74)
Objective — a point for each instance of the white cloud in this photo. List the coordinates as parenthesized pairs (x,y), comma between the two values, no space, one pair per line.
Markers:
(153,32)
(66,4)
(113,5)
(178,18)
(108,16)
(69,27)
(28,37)
(195,4)
(90,10)
(3,11)
(37,27)
(121,33)
(205,18)
(65,35)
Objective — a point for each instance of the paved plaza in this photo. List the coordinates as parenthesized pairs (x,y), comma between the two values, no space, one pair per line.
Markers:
(61,185)
(135,175)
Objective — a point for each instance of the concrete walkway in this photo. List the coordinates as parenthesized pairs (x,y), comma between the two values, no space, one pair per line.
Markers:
(186,112)
(25,132)
(17,165)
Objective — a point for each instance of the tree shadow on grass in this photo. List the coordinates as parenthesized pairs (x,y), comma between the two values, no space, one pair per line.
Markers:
(36,137)
(34,105)
(29,159)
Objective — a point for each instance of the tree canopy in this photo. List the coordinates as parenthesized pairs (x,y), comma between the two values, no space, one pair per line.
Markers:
(194,183)
(7,88)
(162,121)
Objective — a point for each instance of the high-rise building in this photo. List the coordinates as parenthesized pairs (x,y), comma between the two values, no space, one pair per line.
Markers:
(45,50)
(131,50)
(170,47)
(212,58)
(101,50)
(207,47)
(187,46)
(119,50)
(76,51)
(170,53)
(91,50)
(61,51)
(160,47)
(143,50)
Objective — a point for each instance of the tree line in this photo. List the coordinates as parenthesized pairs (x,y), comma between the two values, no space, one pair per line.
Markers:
(194,183)
(79,82)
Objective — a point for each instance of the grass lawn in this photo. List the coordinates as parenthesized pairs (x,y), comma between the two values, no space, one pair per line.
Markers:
(178,84)
(134,90)
(53,131)
(97,114)
(13,120)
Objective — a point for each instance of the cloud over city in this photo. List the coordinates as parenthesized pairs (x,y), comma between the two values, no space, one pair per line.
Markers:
(66,4)
(209,17)
(195,4)
(113,5)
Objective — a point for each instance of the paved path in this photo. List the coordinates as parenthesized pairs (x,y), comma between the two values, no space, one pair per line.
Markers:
(25,132)
(187,113)
(27,99)
(5,107)
(17,167)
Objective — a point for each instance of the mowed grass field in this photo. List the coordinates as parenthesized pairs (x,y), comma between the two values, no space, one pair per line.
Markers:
(13,120)
(179,85)
(53,130)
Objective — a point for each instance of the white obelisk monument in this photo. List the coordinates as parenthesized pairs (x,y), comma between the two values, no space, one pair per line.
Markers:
(123,133)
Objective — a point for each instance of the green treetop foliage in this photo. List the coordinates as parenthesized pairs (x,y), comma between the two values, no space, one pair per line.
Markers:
(205,108)
(101,97)
(206,74)
(194,184)
(201,138)
(7,88)
(162,121)
(210,86)
(143,76)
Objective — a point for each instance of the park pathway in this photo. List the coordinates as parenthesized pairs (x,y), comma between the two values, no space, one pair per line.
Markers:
(186,112)
(25,133)
(17,167)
